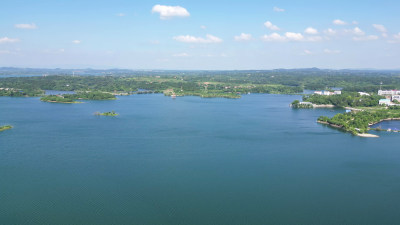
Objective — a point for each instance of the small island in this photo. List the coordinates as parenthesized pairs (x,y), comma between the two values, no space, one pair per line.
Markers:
(6,127)
(57,99)
(112,113)
(70,98)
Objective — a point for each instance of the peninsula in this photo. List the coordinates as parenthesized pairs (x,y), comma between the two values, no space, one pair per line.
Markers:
(362,109)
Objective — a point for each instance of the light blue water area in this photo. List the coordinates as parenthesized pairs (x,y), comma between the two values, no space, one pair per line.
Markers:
(17,75)
(191,160)
(56,92)
(392,124)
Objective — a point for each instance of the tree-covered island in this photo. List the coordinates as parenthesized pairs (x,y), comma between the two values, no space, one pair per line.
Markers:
(5,127)
(112,113)
(71,98)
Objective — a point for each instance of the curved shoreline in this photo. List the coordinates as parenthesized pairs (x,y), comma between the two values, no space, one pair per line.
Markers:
(62,102)
(341,127)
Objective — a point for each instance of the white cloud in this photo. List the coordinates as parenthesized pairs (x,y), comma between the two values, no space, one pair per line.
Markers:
(311,30)
(294,36)
(380,28)
(330,31)
(314,38)
(121,14)
(183,54)
(167,12)
(273,37)
(271,26)
(8,40)
(339,22)
(396,39)
(5,52)
(203,27)
(366,38)
(328,51)
(356,31)
(26,26)
(277,9)
(243,37)
(308,52)
(354,22)
(290,36)
(198,40)
(76,41)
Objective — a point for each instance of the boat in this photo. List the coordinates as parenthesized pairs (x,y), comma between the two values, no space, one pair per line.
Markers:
(173,96)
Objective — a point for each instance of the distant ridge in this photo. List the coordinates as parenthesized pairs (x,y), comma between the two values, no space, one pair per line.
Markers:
(116,71)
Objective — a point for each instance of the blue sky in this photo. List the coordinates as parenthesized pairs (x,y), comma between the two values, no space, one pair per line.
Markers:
(206,34)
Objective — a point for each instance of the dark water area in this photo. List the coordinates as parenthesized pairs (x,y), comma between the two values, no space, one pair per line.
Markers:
(190,160)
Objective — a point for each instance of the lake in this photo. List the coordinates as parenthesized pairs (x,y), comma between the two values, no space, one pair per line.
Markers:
(190,160)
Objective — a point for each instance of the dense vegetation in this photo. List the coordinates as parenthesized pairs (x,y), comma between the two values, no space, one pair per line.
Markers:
(112,113)
(359,122)
(352,99)
(20,93)
(297,105)
(93,95)
(57,99)
(6,127)
(70,98)
(212,83)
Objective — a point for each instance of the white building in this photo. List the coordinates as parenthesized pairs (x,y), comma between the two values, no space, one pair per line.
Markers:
(327,93)
(363,93)
(389,92)
(396,97)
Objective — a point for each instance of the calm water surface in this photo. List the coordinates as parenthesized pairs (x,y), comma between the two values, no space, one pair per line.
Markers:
(191,161)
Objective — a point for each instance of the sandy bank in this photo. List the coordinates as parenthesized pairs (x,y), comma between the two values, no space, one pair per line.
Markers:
(368,135)
(323,106)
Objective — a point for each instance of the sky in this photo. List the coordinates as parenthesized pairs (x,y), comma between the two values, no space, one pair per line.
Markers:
(200,35)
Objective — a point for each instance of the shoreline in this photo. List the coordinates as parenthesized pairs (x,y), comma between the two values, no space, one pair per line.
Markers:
(389,119)
(366,135)
(323,106)
(62,102)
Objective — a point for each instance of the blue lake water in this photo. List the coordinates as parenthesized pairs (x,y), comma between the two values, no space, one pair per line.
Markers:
(190,160)
(56,92)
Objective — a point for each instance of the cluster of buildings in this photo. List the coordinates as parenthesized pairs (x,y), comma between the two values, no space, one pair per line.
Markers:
(390,97)
(328,92)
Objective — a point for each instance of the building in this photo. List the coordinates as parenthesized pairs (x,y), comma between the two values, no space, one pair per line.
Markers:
(337,92)
(385,102)
(327,93)
(389,92)
(363,94)
(396,97)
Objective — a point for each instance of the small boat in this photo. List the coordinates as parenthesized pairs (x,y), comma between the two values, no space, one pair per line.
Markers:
(173,96)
